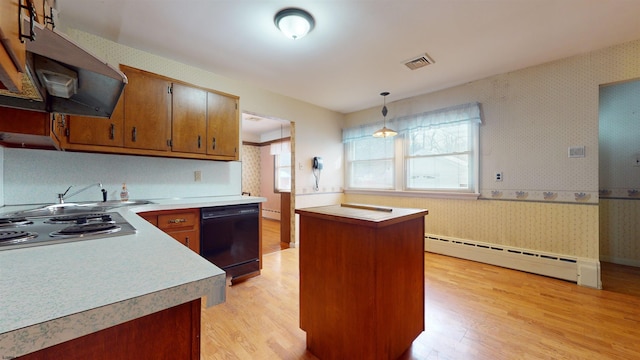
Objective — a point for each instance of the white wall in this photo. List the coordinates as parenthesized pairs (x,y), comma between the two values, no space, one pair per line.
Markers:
(37,176)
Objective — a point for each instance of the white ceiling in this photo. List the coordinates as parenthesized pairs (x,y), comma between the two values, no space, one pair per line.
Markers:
(358,47)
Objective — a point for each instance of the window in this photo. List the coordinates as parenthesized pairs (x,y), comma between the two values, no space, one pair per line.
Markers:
(282,172)
(436,151)
(371,163)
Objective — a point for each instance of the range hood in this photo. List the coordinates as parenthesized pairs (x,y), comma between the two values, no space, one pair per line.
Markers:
(62,77)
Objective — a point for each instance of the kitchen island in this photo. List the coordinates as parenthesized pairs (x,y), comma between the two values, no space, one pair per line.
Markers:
(361,280)
(54,295)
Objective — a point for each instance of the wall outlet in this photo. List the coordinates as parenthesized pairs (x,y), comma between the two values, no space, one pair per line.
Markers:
(197,176)
(499,176)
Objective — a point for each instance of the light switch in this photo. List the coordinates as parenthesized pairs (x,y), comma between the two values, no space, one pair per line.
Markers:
(576,151)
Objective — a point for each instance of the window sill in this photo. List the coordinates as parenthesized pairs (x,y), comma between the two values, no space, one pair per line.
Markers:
(421,194)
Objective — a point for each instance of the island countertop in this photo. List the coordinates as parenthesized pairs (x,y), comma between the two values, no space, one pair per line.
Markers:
(54,293)
(363,214)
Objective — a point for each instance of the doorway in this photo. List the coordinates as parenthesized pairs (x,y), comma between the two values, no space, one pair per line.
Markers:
(267,155)
(619,185)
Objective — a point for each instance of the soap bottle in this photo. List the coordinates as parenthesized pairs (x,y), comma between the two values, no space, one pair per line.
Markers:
(124,193)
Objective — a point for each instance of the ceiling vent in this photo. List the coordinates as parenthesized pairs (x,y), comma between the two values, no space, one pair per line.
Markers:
(418,62)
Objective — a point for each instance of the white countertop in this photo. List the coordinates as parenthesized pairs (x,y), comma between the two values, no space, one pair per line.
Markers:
(54,293)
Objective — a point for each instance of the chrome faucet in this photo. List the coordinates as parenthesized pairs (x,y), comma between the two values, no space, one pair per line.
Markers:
(62,197)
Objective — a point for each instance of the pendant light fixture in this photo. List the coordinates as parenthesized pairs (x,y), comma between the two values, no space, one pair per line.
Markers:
(294,23)
(384,132)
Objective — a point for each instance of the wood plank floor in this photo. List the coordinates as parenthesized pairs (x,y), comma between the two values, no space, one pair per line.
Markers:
(473,311)
(270,235)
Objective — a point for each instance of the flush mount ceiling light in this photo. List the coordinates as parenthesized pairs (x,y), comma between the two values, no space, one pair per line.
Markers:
(294,23)
(384,132)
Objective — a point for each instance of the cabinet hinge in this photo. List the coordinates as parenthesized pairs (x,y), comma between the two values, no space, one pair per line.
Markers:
(66,132)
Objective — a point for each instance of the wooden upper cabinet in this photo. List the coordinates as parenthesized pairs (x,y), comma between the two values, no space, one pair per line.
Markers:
(98,131)
(147,111)
(12,50)
(189,120)
(222,125)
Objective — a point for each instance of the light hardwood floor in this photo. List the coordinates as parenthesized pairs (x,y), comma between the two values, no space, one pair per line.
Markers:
(270,235)
(472,311)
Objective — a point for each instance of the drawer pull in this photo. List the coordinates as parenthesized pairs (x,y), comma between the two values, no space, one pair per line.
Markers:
(177,221)
(187,239)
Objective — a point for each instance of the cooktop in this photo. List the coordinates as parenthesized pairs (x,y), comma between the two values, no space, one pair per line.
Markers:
(20,232)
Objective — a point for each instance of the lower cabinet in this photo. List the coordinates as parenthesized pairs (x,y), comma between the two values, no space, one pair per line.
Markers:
(183,225)
(173,333)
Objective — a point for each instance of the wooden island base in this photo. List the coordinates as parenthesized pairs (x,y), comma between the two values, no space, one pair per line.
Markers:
(361,281)
(173,333)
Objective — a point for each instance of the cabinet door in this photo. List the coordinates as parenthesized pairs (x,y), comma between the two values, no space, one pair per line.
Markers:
(93,131)
(147,111)
(189,119)
(222,126)
(12,51)
(189,238)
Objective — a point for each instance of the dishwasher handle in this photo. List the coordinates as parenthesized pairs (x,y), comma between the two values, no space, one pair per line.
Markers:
(216,213)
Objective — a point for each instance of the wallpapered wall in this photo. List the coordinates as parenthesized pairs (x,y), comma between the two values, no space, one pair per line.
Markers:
(251,172)
(619,176)
(531,118)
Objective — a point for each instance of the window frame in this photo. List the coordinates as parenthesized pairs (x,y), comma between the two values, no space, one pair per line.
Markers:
(401,168)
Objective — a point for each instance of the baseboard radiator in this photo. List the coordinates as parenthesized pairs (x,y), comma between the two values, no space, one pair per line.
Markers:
(585,272)
(271,214)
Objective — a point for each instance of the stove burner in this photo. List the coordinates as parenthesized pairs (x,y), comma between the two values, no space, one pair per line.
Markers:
(84,229)
(79,219)
(14,221)
(14,237)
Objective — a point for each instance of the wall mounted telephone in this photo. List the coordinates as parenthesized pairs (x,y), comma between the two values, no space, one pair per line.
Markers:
(317,163)
(317,168)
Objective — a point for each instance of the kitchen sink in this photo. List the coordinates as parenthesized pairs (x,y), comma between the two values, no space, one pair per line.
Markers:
(76,208)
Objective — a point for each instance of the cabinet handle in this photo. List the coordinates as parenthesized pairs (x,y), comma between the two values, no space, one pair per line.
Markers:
(32,19)
(134,134)
(214,143)
(112,132)
(199,142)
(177,221)
(48,19)
(187,240)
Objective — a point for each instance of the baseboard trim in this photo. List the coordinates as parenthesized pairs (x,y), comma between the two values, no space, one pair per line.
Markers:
(585,272)
(620,261)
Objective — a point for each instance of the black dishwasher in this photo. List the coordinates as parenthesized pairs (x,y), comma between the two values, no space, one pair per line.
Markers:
(230,238)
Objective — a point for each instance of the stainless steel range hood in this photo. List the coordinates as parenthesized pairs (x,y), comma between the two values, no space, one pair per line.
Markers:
(53,57)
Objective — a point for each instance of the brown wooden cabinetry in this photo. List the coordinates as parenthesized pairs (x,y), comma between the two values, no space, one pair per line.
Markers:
(189,119)
(12,51)
(173,333)
(160,116)
(222,126)
(99,132)
(183,225)
(147,111)
(38,129)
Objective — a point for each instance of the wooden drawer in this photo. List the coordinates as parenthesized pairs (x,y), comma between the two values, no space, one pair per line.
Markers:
(178,220)
(182,225)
